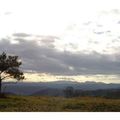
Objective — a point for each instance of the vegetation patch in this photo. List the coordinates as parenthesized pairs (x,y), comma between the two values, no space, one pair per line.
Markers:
(60,104)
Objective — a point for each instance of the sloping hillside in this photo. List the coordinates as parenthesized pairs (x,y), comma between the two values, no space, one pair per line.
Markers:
(32,103)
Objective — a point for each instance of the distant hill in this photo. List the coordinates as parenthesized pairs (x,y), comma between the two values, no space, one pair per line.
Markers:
(53,88)
(49,92)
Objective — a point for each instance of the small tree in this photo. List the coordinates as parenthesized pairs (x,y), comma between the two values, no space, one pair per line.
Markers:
(69,92)
(9,68)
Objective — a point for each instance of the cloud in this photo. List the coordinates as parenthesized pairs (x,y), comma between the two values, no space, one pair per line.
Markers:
(44,58)
(107,32)
(99,33)
(116,11)
(7,13)
(21,35)
(87,23)
(111,11)
(118,22)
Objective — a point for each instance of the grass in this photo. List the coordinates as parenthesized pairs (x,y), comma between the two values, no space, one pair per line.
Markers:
(60,104)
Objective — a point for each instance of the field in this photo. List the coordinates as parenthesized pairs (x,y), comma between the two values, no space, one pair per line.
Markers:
(54,104)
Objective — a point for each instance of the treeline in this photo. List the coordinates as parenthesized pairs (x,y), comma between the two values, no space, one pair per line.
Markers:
(107,93)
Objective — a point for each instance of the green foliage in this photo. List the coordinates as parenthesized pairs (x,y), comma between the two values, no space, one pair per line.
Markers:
(9,68)
(10,65)
(38,103)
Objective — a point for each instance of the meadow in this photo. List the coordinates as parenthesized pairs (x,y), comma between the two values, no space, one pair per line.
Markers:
(15,103)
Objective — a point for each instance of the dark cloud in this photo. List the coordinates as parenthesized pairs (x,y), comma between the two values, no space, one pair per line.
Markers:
(47,59)
(21,35)
(47,37)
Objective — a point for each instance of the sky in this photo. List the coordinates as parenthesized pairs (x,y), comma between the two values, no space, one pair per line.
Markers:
(76,40)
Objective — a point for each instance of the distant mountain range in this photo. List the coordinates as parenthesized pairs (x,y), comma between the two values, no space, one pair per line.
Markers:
(53,88)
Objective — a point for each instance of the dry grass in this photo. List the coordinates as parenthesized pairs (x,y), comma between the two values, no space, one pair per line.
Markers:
(54,104)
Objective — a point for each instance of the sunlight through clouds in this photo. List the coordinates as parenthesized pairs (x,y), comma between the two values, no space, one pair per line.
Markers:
(63,36)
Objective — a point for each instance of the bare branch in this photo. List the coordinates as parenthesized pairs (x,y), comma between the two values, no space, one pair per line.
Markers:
(6,77)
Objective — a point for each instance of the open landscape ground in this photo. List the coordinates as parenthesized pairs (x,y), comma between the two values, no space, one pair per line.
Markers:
(58,104)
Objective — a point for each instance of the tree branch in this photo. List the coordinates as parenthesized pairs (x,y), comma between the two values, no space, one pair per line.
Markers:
(5,77)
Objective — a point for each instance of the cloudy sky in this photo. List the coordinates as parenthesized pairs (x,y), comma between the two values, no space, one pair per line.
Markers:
(75,40)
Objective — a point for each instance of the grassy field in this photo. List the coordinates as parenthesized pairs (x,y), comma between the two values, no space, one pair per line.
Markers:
(54,104)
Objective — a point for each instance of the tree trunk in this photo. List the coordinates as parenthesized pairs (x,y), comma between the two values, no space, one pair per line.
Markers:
(0,86)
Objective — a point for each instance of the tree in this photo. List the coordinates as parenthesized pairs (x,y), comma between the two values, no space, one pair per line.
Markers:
(9,68)
(69,92)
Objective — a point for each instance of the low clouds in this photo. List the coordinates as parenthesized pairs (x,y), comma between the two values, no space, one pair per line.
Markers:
(43,57)
(21,35)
